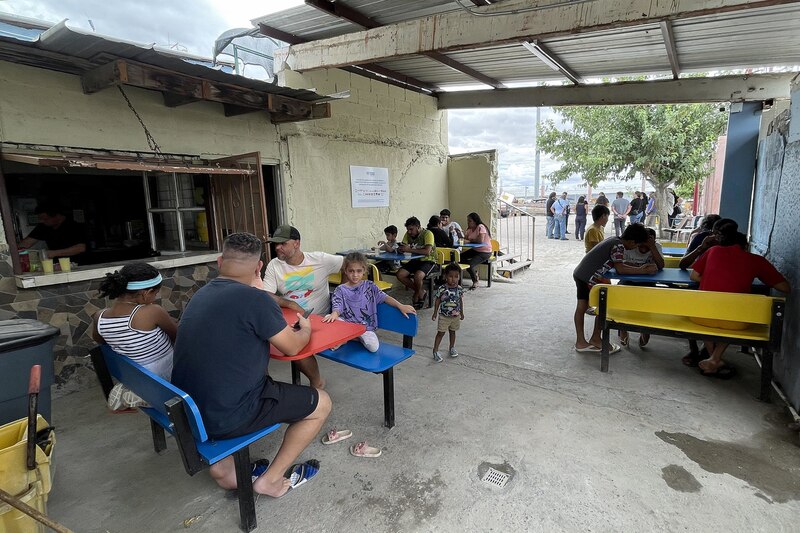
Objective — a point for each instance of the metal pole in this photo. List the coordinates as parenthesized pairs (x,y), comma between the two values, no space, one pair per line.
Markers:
(537,161)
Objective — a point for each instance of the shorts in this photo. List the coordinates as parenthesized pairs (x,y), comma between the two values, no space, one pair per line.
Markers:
(418,265)
(281,403)
(583,289)
(451,323)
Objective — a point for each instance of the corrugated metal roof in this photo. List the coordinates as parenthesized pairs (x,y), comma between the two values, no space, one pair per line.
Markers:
(82,51)
(748,39)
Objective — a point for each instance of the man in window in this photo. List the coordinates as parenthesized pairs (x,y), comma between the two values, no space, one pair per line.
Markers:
(299,280)
(63,236)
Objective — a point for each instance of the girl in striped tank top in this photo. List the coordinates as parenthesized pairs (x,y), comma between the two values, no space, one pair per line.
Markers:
(134,326)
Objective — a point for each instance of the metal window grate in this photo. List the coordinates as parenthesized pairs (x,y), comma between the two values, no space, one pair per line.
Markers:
(495,478)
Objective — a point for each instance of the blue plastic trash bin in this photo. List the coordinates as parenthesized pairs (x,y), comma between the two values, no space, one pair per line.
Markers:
(24,343)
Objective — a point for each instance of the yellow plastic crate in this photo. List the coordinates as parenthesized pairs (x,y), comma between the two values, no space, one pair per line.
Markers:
(29,486)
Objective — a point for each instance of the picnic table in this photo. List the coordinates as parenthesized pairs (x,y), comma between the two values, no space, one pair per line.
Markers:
(323,336)
(470,245)
(674,252)
(667,276)
(383,256)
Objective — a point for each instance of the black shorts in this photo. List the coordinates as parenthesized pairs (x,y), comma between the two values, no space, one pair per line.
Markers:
(281,403)
(416,264)
(583,289)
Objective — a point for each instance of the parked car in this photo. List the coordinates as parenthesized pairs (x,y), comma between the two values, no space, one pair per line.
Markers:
(503,209)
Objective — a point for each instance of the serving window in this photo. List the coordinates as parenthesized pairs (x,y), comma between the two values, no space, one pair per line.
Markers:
(132,210)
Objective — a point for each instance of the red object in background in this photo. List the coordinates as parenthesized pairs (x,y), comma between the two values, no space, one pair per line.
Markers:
(323,336)
(25,261)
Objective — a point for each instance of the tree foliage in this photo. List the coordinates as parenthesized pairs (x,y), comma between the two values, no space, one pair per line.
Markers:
(667,144)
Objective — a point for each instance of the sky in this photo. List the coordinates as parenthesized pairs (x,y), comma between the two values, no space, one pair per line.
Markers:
(193,25)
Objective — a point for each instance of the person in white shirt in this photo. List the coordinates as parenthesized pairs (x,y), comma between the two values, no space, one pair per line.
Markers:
(452,227)
(299,280)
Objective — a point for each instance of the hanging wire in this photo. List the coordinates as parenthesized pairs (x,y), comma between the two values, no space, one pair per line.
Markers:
(151,141)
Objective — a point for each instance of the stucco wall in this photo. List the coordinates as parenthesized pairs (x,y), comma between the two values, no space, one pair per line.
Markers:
(379,125)
(472,185)
(774,234)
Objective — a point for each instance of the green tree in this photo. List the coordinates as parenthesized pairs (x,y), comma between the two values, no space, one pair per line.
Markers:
(669,145)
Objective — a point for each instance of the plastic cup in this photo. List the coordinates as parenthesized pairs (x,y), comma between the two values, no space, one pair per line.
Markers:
(63,262)
(47,266)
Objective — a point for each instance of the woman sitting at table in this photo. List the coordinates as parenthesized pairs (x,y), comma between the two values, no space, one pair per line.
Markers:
(477,233)
(729,267)
(135,326)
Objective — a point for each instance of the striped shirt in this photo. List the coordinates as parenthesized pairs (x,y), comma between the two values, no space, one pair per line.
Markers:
(151,349)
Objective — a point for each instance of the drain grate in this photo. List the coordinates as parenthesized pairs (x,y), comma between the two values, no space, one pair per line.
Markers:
(495,478)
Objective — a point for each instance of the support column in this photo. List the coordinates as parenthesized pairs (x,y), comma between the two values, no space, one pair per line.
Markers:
(736,196)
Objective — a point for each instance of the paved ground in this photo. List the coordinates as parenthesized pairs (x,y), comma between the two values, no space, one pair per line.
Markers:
(650,446)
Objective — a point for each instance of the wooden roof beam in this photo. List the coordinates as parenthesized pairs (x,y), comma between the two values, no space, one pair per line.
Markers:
(459,30)
(672,51)
(181,89)
(375,72)
(341,11)
(551,60)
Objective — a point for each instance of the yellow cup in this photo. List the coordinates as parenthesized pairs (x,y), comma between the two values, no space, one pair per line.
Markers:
(47,266)
(64,264)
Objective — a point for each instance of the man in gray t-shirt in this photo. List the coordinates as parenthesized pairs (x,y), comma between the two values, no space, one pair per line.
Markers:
(620,208)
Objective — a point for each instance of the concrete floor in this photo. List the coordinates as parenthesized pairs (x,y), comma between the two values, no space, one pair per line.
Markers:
(650,446)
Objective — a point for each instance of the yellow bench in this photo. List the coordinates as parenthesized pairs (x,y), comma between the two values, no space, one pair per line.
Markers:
(669,312)
(672,262)
(673,244)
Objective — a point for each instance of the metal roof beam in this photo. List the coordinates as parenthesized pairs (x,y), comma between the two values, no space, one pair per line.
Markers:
(672,51)
(551,60)
(686,90)
(353,16)
(374,72)
(459,30)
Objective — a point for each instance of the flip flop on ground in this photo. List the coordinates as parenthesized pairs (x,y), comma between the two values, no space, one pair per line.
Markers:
(363,450)
(333,436)
(613,348)
(723,372)
(259,467)
(301,472)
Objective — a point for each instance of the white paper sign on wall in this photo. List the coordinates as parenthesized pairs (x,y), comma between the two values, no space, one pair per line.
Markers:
(369,186)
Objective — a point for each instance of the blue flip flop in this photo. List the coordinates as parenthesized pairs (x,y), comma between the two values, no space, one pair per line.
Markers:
(301,472)
(259,467)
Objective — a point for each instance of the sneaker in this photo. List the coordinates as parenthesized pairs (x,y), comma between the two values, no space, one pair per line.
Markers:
(453,352)
(437,357)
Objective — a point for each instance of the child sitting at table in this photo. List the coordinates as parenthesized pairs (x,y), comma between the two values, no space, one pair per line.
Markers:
(449,307)
(644,254)
(356,300)
(135,326)
(729,267)
(389,245)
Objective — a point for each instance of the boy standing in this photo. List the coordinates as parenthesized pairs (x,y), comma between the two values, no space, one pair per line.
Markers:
(449,306)
(595,233)
(590,271)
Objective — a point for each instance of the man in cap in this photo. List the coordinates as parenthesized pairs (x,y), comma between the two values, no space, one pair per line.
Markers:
(299,280)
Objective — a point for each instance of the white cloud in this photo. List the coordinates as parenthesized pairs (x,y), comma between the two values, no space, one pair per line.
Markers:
(190,25)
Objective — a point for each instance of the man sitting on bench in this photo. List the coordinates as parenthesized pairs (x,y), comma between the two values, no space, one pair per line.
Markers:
(222,357)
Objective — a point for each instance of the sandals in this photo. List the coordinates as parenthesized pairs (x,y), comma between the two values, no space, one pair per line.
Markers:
(723,372)
(299,473)
(363,450)
(644,338)
(333,436)
(694,358)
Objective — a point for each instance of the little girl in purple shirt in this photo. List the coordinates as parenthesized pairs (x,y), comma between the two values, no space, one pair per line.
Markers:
(356,300)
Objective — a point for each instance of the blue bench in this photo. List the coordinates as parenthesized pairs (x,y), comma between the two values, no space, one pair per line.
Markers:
(173,410)
(383,361)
